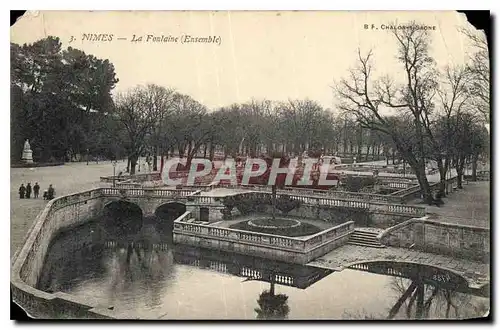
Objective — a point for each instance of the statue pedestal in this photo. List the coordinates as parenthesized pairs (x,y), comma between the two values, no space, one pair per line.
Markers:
(27,156)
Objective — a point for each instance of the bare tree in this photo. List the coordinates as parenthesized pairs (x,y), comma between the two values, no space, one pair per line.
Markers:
(453,95)
(162,99)
(368,99)
(138,111)
(479,67)
(190,126)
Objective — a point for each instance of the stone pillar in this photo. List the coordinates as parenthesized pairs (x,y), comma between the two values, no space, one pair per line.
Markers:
(419,235)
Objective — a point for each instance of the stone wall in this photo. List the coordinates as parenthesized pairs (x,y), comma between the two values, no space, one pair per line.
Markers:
(442,238)
(228,245)
(60,214)
(63,215)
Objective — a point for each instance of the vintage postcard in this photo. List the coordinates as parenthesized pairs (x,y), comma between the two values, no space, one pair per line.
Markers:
(250,165)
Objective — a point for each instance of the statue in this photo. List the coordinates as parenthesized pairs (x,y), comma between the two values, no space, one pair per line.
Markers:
(27,153)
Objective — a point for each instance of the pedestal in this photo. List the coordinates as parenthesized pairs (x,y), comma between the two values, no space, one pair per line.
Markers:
(27,156)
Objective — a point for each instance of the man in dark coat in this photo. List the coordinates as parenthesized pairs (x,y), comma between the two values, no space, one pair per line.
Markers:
(22,190)
(36,190)
(28,190)
(50,192)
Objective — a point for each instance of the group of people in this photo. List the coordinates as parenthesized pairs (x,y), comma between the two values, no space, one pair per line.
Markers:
(25,191)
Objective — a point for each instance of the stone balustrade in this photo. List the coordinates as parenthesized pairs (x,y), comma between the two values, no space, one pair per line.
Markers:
(317,198)
(139,177)
(398,185)
(128,185)
(322,193)
(415,191)
(305,196)
(269,241)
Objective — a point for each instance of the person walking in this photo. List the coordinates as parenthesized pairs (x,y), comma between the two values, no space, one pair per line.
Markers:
(22,191)
(50,192)
(28,190)
(36,190)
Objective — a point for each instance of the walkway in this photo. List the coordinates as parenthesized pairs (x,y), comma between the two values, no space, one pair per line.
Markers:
(66,179)
(469,206)
(476,273)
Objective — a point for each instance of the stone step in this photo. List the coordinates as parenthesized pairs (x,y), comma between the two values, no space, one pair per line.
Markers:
(378,246)
(364,239)
(364,234)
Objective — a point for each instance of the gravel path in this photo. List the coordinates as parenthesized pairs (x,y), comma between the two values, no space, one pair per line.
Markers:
(66,179)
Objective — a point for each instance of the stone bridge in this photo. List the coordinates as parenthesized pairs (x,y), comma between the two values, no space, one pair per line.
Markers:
(147,199)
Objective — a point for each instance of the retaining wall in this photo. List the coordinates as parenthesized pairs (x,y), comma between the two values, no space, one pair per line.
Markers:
(443,238)
(60,214)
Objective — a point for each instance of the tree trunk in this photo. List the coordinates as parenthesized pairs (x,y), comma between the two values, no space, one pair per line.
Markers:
(425,188)
(427,305)
(420,301)
(133,163)
(395,309)
(212,152)
(155,159)
(460,172)
(443,168)
(274,201)
(182,149)
(128,165)
(410,305)
(205,147)
(190,148)
(474,167)
(271,289)
(360,143)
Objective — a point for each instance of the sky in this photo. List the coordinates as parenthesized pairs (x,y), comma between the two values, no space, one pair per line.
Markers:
(262,55)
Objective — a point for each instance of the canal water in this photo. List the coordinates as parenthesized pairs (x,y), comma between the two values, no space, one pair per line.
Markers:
(146,276)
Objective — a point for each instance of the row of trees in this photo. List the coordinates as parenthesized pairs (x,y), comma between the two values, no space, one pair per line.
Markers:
(162,121)
(432,114)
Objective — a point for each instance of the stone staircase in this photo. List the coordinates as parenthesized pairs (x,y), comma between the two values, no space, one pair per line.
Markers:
(365,238)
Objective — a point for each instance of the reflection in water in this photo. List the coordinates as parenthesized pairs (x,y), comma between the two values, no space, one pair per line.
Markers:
(272,306)
(143,275)
(421,301)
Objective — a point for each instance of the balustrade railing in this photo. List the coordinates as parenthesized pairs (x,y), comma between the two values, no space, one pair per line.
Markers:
(324,193)
(139,177)
(298,244)
(321,199)
(329,234)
